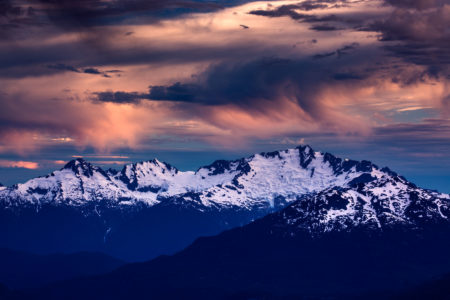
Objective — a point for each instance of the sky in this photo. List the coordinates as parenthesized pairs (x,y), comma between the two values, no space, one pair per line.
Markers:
(189,82)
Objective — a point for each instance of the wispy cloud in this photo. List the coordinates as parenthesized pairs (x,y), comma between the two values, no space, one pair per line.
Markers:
(413,108)
(18,164)
(102,156)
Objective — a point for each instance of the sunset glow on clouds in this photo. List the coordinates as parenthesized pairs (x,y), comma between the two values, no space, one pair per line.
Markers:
(18,164)
(109,77)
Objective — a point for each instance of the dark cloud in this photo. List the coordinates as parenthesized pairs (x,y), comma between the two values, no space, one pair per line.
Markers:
(17,17)
(63,67)
(347,76)
(324,55)
(18,61)
(346,20)
(243,84)
(179,92)
(88,13)
(414,25)
(419,28)
(118,97)
(68,68)
(338,52)
(310,5)
(249,84)
(256,85)
(92,71)
(95,71)
(290,10)
(282,11)
(76,15)
(7,8)
(417,4)
(419,36)
(14,14)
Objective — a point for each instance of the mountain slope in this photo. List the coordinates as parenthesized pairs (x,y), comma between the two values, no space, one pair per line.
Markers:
(151,208)
(25,270)
(323,245)
(367,202)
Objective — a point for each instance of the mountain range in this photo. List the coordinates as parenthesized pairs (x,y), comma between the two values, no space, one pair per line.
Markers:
(286,224)
(258,181)
(378,238)
(151,208)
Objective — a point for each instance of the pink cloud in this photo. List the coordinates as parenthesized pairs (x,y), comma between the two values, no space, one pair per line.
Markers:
(19,164)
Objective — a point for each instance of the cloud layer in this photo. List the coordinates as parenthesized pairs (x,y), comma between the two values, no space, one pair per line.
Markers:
(140,74)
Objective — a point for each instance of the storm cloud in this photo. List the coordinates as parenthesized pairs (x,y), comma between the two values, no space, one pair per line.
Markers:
(414,30)
(248,84)
(76,15)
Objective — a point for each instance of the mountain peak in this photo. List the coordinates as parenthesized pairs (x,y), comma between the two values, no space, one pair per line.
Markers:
(152,162)
(164,165)
(367,202)
(147,176)
(305,148)
(81,167)
(75,162)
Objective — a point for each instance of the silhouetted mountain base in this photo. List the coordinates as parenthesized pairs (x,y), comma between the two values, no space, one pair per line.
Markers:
(255,261)
(135,234)
(25,270)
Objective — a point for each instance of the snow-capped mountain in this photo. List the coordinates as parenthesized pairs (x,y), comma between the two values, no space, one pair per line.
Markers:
(131,213)
(262,180)
(367,202)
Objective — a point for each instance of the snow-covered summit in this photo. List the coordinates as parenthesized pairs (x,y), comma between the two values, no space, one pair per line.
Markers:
(81,167)
(264,180)
(367,202)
